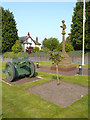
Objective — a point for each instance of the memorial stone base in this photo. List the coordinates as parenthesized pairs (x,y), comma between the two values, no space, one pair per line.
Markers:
(65,65)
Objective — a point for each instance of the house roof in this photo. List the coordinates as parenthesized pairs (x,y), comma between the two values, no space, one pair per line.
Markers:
(24,38)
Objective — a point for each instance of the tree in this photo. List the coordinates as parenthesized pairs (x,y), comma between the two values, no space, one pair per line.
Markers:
(76,36)
(56,58)
(17,47)
(68,39)
(50,43)
(87,26)
(0,30)
(77,27)
(68,47)
(9,31)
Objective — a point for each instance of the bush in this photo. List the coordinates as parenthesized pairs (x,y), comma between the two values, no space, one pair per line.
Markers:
(42,54)
(11,54)
(29,49)
(36,49)
(17,47)
(77,53)
(44,49)
(68,47)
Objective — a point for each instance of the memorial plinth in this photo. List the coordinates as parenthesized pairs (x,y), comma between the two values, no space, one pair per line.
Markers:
(66,62)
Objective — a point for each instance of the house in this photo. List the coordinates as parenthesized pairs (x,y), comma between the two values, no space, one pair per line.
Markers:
(28,41)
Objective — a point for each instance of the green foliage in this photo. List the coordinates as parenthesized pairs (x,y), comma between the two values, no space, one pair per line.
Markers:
(36,49)
(17,47)
(11,54)
(68,47)
(0,30)
(25,54)
(45,49)
(43,54)
(9,31)
(76,36)
(68,41)
(56,58)
(87,26)
(50,43)
(32,106)
(78,53)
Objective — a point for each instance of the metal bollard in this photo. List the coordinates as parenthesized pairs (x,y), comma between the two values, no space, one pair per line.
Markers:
(80,69)
(37,65)
(53,62)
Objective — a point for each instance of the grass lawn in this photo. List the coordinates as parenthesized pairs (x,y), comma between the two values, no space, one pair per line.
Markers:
(18,103)
(50,64)
(45,64)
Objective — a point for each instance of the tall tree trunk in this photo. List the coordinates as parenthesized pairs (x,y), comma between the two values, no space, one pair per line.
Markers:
(57,74)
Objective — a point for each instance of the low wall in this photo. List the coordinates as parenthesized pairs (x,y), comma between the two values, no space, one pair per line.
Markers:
(64,69)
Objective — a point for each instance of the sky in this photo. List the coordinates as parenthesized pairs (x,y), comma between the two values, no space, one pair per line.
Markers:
(41,19)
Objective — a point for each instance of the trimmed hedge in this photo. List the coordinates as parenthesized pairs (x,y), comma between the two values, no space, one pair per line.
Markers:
(25,54)
(42,54)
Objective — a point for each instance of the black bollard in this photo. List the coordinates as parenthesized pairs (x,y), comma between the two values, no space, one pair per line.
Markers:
(80,69)
(53,62)
(37,65)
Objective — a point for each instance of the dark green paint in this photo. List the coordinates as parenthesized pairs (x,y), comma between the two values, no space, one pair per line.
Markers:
(21,67)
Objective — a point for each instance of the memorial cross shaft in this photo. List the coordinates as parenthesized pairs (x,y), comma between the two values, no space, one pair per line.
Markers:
(63,33)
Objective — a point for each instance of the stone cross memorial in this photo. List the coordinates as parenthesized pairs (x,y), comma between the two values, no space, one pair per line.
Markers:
(67,59)
(66,62)
(63,33)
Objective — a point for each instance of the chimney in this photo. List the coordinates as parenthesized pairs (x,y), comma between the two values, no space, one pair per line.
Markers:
(36,39)
(28,34)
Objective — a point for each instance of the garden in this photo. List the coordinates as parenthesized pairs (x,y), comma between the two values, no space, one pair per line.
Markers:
(20,102)
(41,96)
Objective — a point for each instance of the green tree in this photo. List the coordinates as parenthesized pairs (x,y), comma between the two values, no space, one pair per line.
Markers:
(9,31)
(50,43)
(56,57)
(17,47)
(76,36)
(0,30)
(68,47)
(87,26)
(45,49)
(68,39)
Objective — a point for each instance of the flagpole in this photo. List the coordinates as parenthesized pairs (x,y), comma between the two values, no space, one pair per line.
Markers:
(83,32)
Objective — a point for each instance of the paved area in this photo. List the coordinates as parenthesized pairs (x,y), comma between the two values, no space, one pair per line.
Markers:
(85,71)
(64,95)
(20,81)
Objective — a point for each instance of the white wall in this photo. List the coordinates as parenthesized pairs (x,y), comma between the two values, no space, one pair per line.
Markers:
(27,45)
(32,44)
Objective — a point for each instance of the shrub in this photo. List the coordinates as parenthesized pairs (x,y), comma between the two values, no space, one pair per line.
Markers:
(44,49)
(36,49)
(17,47)
(29,49)
(11,54)
(68,47)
